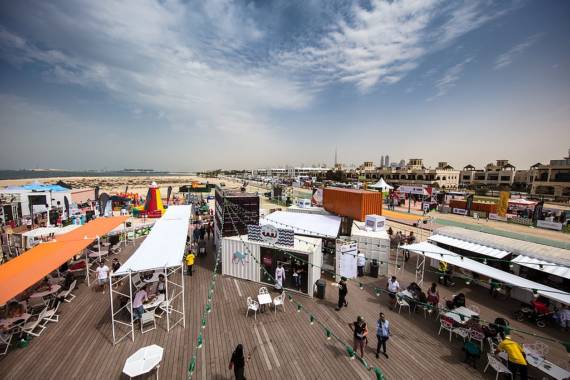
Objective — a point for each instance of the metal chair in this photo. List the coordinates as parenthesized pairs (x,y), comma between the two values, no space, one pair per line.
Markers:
(445,325)
(148,318)
(403,303)
(252,305)
(497,366)
(279,301)
(263,290)
(477,336)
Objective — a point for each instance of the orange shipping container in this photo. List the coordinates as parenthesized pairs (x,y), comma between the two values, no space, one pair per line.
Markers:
(352,203)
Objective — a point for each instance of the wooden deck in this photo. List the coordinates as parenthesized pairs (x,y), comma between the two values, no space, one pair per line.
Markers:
(284,345)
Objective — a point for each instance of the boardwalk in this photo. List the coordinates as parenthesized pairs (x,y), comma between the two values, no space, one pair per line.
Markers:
(283,345)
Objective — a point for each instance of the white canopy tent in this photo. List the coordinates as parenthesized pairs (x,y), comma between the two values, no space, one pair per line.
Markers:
(543,266)
(468,246)
(163,252)
(426,249)
(381,185)
(305,224)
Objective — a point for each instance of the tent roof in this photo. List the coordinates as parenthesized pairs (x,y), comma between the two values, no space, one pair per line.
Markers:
(515,246)
(30,267)
(381,185)
(304,224)
(165,245)
(547,267)
(468,246)
(435,252)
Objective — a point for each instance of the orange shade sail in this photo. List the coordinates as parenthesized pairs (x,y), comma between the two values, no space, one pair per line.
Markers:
(30,267)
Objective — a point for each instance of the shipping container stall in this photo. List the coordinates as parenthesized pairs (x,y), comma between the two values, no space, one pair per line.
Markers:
(304,258)
(351,203)
(374,244)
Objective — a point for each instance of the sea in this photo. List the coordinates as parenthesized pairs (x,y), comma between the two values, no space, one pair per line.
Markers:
(26,174)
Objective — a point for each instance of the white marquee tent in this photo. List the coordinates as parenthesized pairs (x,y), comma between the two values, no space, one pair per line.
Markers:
(161,252)
(382,185)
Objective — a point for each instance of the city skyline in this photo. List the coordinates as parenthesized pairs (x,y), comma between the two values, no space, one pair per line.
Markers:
(198,85)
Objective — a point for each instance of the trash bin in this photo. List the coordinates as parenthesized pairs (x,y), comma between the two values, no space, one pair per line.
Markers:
(374,268)
(321,285)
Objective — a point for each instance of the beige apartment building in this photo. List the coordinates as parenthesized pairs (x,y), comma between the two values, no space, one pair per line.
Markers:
(493,175)
(552,180)
(444,176)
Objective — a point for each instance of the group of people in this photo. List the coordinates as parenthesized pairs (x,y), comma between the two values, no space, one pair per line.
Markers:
(360,332)
(147,294)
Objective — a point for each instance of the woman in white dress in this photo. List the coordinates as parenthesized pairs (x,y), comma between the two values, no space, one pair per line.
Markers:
(279,276)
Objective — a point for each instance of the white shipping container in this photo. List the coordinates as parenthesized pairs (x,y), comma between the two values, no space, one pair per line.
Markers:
(374,244)
(233,263)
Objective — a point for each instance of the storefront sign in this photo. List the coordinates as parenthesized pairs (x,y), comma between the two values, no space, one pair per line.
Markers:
(459,211)
(270,234)
(549,225)
(494,216)
(412,190)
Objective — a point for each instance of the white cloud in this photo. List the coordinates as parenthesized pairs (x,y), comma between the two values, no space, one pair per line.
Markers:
(382,43)
(155,56)
(509,56)
(450,78)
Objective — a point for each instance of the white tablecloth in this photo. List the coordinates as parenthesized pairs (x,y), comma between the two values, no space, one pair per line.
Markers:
(454,314)
(154,303)
(264,299)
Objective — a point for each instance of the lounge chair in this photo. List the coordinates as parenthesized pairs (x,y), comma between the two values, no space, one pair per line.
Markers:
(5,340)
(31,326)
(51,314)
(66,295)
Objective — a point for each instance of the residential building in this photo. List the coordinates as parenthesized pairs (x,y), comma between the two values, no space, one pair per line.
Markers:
(502,173)
(414,173)
(552,179)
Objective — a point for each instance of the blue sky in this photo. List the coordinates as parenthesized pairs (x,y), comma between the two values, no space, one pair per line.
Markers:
(186,85)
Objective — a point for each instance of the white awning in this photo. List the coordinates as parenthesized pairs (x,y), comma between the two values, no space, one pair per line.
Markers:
(165,245)
(438,253)
(304,224)
(547,267)
(468,246)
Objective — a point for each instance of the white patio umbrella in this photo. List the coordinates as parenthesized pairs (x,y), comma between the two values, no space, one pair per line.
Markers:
(143,361)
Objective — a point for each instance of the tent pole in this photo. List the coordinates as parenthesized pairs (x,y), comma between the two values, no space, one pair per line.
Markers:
(167,300)
(87,274)
(99,247)
(183,306)
(131,305)
(112,309)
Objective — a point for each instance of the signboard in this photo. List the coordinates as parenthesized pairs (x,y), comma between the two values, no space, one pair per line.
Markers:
(494,216)
(270,234)
(549,225)
(317,198)
(417,190)
(459,211)
(346,259)
(503,204)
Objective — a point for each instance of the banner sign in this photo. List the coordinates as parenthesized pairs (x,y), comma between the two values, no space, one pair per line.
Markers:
(503,204)
(459,211)
(494,216)
(346,260)
(549,225)
(270,234)
(417,190)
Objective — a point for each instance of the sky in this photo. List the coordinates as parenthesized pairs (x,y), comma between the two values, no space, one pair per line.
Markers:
(206,84)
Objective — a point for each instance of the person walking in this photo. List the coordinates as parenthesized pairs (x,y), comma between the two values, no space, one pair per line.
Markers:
(516,357)
(202,232)
(237,362)
(383,334)
(342,292)
(360,263)
(102,275)
(360,332)
(189,262)
(393,287)
(279,277)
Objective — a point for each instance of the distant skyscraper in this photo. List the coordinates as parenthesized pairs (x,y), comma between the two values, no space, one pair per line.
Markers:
(381,160)
(402,163)
(387,160)
(335,157)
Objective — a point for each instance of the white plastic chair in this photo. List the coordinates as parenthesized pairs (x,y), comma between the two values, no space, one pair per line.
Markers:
(30,327)
(279,301)
(148,318)
(263,290)
(462,332)
(51,314)
(492,345)
(403,303)
(477,336)
(252,305)
(66,295)
(447,326)
(5,340)
(474,308)
(497,366)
